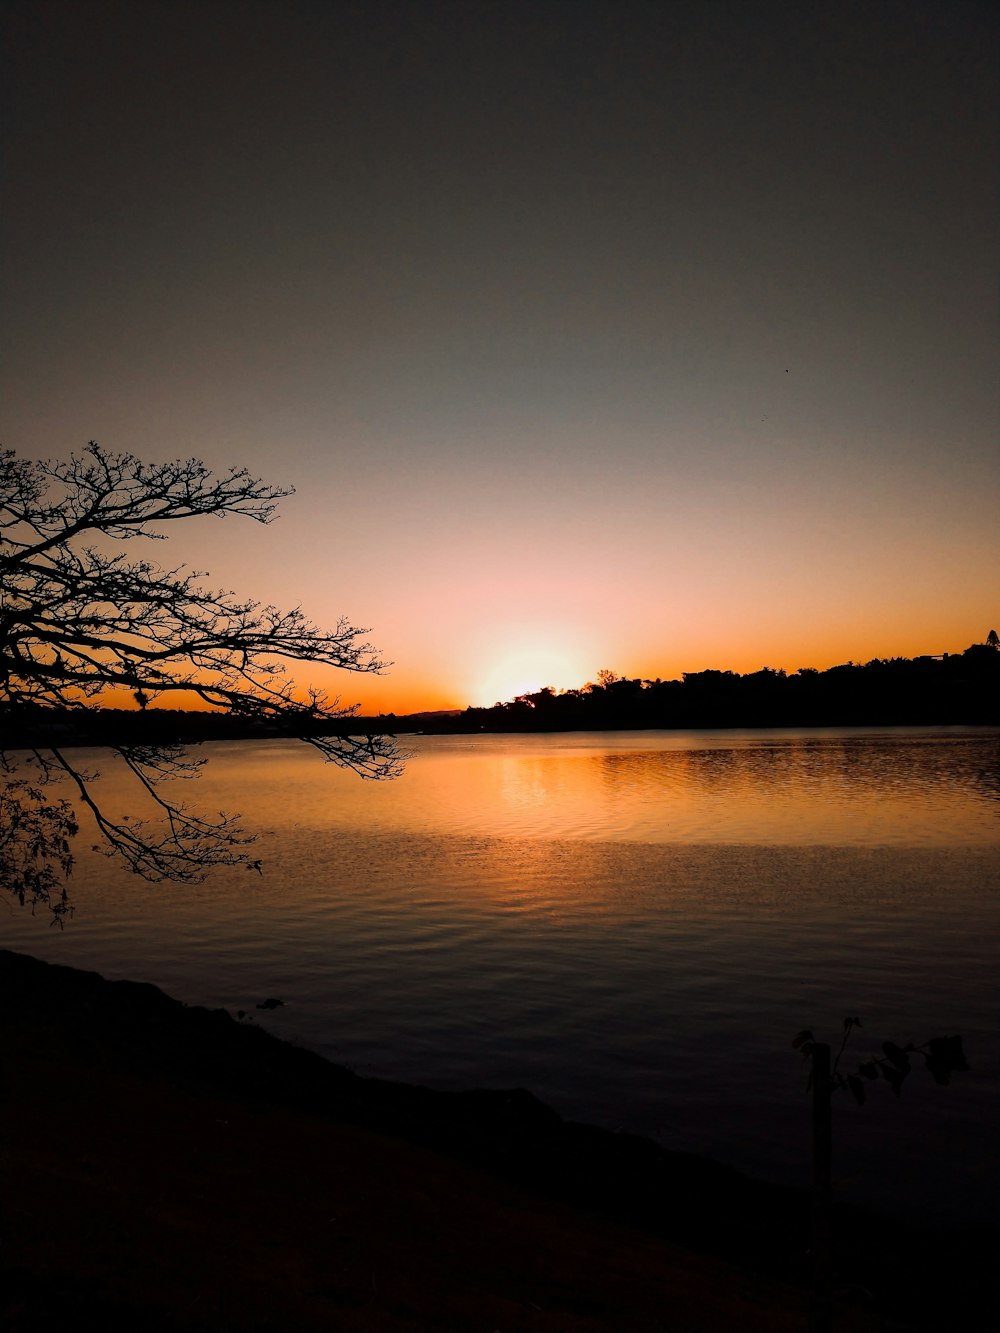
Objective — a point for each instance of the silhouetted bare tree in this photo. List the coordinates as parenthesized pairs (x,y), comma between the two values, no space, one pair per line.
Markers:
(78,617)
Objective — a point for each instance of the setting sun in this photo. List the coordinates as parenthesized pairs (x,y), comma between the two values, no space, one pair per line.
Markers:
(526,670)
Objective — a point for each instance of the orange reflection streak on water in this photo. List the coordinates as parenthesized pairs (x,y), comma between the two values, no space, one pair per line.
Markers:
(833,790)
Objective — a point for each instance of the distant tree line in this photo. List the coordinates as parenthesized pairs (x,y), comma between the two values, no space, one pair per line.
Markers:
(30,725)
(954,689)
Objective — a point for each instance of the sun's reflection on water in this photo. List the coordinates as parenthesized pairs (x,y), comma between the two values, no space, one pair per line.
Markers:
(799,790)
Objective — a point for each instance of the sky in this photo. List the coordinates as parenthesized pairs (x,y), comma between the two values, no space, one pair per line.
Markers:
(645,336)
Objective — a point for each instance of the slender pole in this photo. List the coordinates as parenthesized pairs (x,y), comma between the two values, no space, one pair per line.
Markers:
(822,1190)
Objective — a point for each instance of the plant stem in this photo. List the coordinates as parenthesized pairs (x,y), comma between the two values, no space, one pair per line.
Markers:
(821,1197)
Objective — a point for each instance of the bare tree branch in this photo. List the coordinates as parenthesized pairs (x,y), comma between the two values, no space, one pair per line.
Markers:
(78,618)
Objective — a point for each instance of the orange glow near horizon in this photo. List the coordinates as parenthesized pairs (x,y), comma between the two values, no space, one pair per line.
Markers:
(528,669)
(494,663)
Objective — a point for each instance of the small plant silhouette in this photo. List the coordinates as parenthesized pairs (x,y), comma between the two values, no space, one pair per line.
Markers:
(943,1056)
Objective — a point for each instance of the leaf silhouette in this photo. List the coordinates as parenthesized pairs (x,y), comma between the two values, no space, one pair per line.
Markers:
(944,1057)
(896,1055)
(949,1049)
(939,1070)
(893,1074)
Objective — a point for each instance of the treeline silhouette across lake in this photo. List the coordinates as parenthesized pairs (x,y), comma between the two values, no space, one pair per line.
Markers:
(954,689)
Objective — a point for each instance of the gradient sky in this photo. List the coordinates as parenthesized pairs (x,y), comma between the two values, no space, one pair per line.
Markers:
(646,336)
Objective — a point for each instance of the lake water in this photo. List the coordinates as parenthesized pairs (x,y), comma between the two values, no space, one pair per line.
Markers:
(632,925)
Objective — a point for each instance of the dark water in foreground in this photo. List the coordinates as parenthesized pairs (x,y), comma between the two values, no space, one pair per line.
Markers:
(631,925)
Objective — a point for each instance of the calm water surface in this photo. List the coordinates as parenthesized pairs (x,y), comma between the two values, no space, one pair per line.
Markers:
(633,925)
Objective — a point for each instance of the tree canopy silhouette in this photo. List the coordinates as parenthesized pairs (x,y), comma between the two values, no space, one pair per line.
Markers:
(947,689)
(79,617)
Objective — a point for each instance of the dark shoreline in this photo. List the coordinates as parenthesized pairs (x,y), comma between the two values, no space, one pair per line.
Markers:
(132,1030)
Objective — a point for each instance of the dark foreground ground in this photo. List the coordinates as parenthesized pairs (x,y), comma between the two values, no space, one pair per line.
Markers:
(165,1167)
